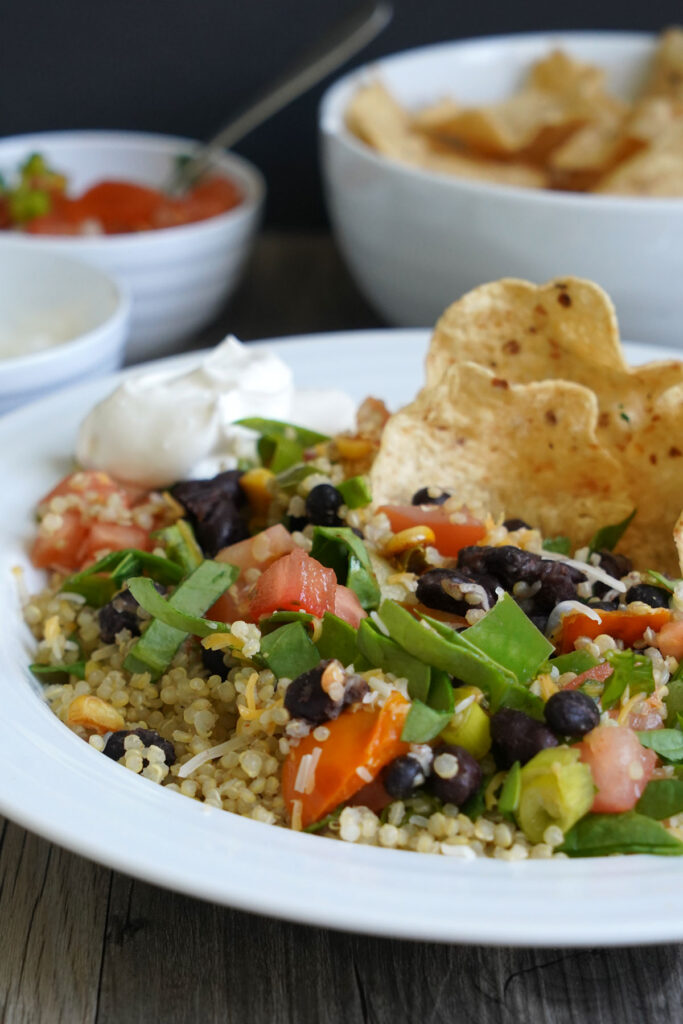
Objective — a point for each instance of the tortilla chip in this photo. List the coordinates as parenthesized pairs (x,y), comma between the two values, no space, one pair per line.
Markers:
(527,450)
(592,151)
(666,77)
(376,118)
(678,540)
(658,171)
(523,332)
(640,419)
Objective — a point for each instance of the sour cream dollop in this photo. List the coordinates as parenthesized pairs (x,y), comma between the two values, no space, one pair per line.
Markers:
(159,426)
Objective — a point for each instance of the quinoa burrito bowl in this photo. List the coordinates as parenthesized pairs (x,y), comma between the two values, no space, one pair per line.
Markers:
(455,630)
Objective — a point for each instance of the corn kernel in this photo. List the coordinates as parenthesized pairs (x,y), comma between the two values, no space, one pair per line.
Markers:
(413,537)
(94,713)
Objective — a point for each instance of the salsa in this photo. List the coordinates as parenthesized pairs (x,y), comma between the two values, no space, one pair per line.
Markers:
(40,205)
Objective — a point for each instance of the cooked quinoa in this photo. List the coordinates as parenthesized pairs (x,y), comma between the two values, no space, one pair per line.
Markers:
(230,730)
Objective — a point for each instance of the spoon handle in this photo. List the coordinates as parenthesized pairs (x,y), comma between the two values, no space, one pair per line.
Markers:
(345,39)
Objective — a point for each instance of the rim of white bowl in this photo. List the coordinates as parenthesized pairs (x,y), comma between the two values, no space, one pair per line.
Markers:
(72,347)
(247,175)
(331,123)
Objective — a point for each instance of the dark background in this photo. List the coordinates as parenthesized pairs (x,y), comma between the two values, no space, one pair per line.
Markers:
(183,66)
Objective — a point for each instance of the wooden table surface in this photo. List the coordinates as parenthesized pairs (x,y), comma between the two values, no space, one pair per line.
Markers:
(80,943)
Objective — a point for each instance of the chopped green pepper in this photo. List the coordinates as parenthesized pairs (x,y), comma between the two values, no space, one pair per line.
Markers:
(355,491)
(157,646)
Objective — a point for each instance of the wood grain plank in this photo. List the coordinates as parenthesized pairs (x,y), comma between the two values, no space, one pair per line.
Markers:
(173,959)
(53,908)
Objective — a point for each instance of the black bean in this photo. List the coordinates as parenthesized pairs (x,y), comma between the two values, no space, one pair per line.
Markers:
(614,564)
(306,698)
(655,597)
(403,776)
(517,737)
(214,507)
(515,524)
(448,590)
(425,497)
(114,747)
(322,505)
(571,713)
(215,662)
(296,523)
(120,613)
(457,788)
(511,565)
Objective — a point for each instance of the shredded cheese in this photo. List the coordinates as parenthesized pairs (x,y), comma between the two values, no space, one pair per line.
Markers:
(591,571)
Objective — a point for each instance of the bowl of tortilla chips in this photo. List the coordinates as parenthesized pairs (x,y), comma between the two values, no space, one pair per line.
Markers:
(523,156)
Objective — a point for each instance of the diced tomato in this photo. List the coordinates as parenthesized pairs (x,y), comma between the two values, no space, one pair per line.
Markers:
(260,551)
(295,582)
(670,639)
(450,536)
(86,483)
(620,765)
(103,536)
(625,626)
(78,539)
(59,549)
(348,607)
(599,673)
(256,552)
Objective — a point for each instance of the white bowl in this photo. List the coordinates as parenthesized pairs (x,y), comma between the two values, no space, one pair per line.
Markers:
(48,293)
(415,240)
(178,278)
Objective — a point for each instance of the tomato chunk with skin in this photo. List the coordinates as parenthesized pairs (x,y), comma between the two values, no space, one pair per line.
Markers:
(450,536)
(256,552)
(348,607)
(103,537)
(295,583)
(621,767)
(599,673)
(64,542)
(670,639)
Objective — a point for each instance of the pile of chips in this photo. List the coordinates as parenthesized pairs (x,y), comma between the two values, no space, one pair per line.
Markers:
(562,130)
(530,410)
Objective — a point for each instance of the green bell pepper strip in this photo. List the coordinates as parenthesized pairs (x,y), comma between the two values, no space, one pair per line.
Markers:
(279,453)
(436,644)
(338,639)
(423,723)
(278,428)
(98,583)
(289,651)
(338,548)
(508,636)
(386,654)
(181,545)
(508,800)
(157,646)
(289,479)
(146,595)
(355,491)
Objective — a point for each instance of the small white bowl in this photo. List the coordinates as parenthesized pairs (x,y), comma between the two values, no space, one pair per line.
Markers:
(45,292)
(416,240)
(178,278)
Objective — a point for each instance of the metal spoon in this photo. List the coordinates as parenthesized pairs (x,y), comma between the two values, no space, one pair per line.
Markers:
(343,42)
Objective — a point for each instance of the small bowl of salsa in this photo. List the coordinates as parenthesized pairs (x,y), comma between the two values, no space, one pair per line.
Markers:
(100,196)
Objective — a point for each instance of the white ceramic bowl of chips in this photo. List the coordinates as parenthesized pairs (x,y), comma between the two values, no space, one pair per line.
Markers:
(415,240)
